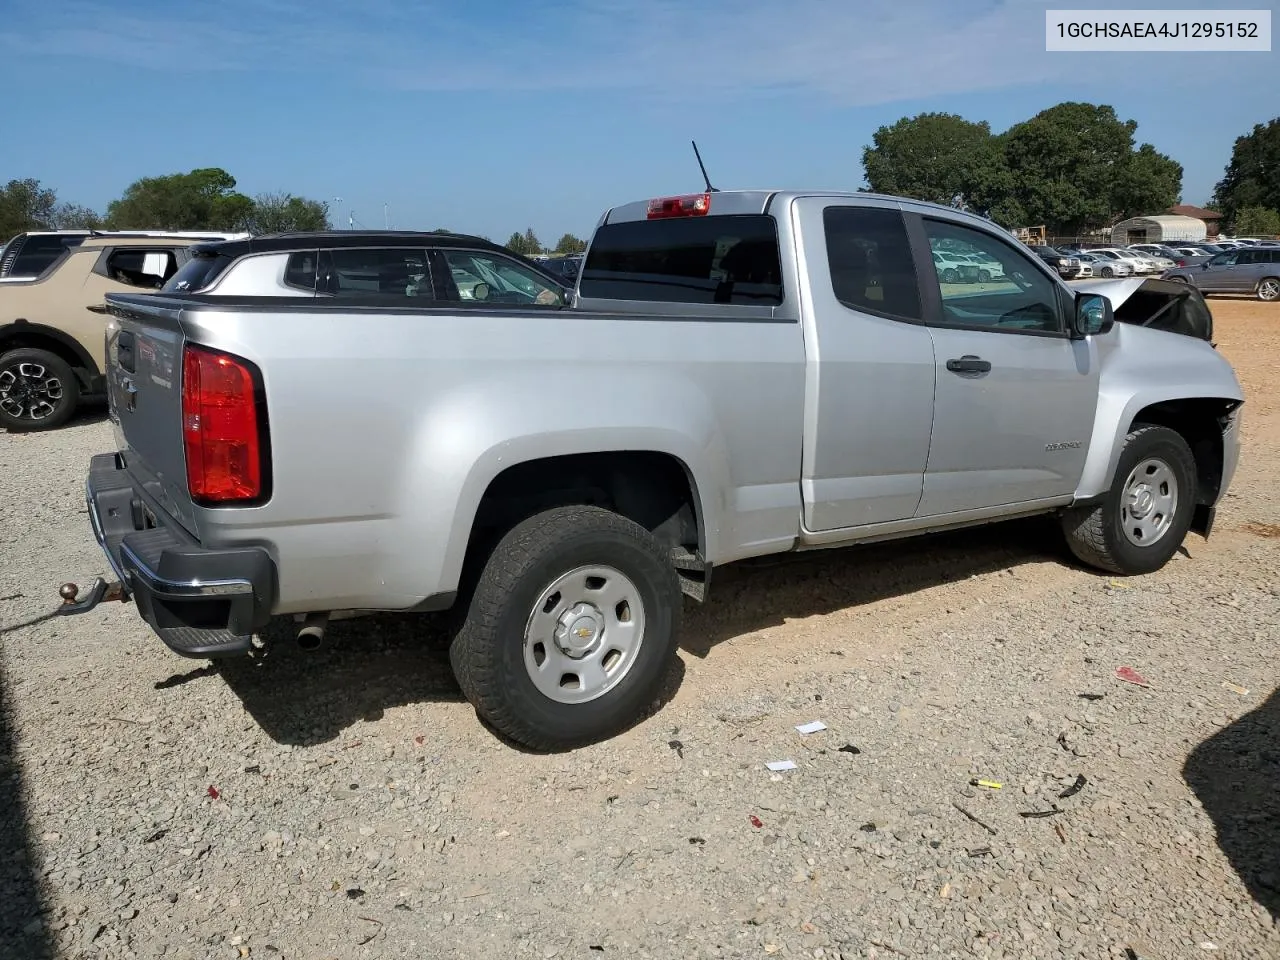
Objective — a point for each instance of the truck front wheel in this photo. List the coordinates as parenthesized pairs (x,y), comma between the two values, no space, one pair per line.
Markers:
(571,629)
(1143,518)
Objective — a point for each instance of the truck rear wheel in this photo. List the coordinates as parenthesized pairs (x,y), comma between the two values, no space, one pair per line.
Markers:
(571,628)
(1144,517)
(38,390)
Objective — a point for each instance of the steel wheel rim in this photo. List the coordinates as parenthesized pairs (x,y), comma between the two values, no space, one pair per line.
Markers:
(584,634)
(28,391)
(1269,289)
(1148,502)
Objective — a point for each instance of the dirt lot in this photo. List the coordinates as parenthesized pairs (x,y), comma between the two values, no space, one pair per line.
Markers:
(348,804)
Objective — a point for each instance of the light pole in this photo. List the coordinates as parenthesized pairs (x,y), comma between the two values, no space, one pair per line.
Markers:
(337,200)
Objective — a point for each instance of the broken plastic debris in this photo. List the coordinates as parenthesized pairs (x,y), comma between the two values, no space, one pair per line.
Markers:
(813,726)
(678,747)
(851,749)
(1075,788)
(1041,814)
(1091,696)
(1130,675)
(777,766)
(1236,688)
(989,784)
(755,821)
(980,852)
(868,828)
(1117,585)
(1062,834)
(213,792)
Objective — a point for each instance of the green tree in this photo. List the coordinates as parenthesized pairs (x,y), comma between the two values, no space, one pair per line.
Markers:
(25,205)
(939,157)
(526,243)
(1252,176)
(1074,168)
(1257,221)
(72,216)
(1147,182)
(283,213)
(570,244)
(203,199)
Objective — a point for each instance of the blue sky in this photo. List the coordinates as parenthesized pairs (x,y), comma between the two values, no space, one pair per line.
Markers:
(493,116)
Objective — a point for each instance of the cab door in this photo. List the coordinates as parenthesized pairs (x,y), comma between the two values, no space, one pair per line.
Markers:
(869,365)
(1016,395)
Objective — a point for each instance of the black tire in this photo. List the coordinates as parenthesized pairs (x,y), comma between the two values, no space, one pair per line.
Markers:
(1096,533)
(488,653)
(949,275)
(1108,272)
(38,390)
(984,276)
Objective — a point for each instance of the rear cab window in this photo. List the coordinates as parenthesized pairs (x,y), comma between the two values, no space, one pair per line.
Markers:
(713,259)
(197,273)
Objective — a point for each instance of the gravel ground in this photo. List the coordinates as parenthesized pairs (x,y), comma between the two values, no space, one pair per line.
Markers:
(348,803)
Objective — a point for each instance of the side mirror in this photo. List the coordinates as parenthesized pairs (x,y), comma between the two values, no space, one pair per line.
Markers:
(1093,316)
(480,291)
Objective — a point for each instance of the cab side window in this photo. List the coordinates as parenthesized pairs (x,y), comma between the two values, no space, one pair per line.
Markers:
(869,258)
(1010,294)
(390,274)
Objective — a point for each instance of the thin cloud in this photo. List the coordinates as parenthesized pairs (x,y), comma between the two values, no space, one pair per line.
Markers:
(678,51)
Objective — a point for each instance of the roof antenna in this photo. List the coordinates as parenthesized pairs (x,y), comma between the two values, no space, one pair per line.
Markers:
(706,179)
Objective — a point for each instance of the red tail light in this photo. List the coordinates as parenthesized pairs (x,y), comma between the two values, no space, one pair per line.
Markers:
(221,428)
(693,205)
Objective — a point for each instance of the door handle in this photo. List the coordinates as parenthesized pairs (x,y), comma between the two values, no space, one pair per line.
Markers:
(969,364)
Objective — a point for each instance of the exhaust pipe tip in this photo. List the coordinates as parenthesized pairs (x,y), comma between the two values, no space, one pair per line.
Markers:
(312,635)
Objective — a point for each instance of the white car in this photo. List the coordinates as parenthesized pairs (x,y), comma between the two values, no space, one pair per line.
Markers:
(1142,263)
(1107,267)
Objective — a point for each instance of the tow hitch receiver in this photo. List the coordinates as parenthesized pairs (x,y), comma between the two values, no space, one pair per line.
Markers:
(99,592)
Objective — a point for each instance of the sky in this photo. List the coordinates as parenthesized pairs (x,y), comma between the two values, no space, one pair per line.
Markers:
(498,115)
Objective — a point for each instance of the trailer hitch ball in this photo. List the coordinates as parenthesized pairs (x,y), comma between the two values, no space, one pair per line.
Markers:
(68,592)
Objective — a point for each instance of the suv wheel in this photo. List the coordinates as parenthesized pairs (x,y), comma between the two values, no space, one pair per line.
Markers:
(38,390)
(1145,515)
(571,628)
(1269,289)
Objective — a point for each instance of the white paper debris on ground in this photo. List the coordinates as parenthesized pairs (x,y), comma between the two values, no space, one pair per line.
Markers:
(779,765)
(813,726)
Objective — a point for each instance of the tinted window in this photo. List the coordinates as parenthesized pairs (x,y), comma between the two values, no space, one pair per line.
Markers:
(491,278)
(30,256)
(1018,298)
(140,267)
(197,273)
(378,272)
(300,271)
(870,261)
(729,259)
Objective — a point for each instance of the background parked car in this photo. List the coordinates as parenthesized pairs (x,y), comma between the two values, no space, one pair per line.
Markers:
(1253,270)
(1107,267)
(1141,264)
(1068,265)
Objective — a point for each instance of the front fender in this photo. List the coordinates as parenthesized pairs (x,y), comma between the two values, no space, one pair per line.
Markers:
(1141,367)
(471,434)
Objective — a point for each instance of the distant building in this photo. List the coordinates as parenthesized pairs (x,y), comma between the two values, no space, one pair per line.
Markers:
(1210,218)
(1162,229)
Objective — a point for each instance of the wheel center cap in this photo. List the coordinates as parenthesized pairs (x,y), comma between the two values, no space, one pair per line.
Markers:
(579,630)
(1140,502)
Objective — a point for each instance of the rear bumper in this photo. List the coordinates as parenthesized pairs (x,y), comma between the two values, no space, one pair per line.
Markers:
(201,602)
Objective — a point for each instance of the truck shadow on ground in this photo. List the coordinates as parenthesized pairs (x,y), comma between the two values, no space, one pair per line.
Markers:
(372,664)
(1236,776)
(23,930)
(757,594)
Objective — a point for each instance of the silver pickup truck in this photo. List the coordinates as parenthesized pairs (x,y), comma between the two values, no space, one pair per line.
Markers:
(418,423)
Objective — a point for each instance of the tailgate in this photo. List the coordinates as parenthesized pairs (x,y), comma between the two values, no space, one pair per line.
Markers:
(144,391)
